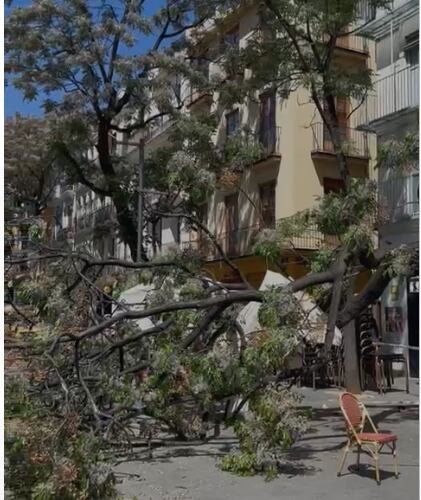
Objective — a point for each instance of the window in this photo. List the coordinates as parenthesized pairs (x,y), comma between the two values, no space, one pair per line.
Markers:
(267,203)
(233,122)
(384,48)
(332,185)
(411,48)
(267,130)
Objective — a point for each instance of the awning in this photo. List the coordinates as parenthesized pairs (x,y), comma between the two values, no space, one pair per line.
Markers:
(315,325)
(136,296)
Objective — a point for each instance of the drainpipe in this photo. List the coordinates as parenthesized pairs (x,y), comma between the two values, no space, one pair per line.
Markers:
(392,60)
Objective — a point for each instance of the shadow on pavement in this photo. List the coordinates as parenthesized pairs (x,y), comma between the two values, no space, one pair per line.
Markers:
(366,470)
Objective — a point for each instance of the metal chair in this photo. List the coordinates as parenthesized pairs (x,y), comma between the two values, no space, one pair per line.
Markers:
(356,416)
(370,361)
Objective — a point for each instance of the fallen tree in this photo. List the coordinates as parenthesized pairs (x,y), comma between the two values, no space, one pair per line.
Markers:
(186,369)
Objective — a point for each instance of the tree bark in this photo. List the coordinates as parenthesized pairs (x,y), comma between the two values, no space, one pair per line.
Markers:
(352,375)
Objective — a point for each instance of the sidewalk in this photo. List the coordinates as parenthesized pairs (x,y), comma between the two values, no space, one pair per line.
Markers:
(188,471)
(324,399)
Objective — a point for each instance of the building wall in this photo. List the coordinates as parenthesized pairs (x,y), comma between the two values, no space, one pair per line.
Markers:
(392,111)
(299,178)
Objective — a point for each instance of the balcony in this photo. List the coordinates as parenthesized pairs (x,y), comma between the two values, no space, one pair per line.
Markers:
(98,220)
(354,142)
(354,43)
(399,195)
(198,96)
(365,11)
(161,125)
(239,243)
(392,94)
(269,140)
(265,144)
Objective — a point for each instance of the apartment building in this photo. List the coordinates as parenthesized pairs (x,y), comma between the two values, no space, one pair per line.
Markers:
(391,111)
(296,164)
(83,220)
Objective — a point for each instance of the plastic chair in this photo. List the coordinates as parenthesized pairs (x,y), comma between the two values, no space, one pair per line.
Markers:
(356,416)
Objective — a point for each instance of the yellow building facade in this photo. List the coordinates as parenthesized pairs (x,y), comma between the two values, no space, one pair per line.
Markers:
(296,167)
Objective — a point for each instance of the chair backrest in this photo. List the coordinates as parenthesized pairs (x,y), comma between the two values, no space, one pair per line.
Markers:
(352,410)
(367,345)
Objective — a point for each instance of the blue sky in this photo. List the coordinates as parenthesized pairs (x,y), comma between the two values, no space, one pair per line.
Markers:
(13,99)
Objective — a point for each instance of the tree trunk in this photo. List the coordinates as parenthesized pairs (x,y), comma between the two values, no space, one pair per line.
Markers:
(127,225)
(352,372)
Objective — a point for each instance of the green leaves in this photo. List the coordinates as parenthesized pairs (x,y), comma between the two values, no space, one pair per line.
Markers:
(271,426)
(400,262)
(400,156)
(271,243)
(350,216)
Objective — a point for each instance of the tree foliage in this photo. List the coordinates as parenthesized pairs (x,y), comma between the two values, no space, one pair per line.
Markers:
(193,365)
(31,171)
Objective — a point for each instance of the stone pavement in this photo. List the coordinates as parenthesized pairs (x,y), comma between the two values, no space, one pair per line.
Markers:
(328,398)
(187,471)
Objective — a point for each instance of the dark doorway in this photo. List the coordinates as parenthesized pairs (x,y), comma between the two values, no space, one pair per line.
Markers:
(413,325)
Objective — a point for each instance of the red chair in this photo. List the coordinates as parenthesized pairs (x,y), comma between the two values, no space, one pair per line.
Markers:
(356,416)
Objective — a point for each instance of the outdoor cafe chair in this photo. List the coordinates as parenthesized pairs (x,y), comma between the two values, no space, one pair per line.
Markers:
(356,417)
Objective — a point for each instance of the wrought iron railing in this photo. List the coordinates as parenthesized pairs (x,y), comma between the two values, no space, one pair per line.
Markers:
(353,142)
(89,220)
(269,139)
(393,93)
(240,242)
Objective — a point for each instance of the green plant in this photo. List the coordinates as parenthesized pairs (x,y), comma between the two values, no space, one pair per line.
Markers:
(269,428)
(50,457)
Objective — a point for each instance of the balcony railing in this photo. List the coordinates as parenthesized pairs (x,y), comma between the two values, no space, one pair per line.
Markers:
(240,242)
(90,220)
(353,42)
(399,195)
(365,11)
(197,94)
(391,94)
(354,142)
(160,126)
(269,139)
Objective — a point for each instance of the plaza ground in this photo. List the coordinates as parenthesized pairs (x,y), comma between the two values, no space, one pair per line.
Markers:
(188,471)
